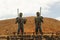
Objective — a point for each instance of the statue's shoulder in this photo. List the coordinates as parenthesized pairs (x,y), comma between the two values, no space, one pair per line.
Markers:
(23,18)
(16,17)
(41,17)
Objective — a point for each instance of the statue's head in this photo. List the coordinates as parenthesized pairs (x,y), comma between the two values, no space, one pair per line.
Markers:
(38,13)
(20,14)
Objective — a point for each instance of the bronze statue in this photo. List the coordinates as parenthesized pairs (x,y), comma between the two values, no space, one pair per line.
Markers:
(38,21)
(21,21)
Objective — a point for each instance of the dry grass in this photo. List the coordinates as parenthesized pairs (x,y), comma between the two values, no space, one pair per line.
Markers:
(9,26)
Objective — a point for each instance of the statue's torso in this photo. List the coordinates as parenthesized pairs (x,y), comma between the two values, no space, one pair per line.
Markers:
(38,20)
(20,20)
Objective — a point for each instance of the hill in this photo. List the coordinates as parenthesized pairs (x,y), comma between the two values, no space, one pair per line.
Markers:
(9,26)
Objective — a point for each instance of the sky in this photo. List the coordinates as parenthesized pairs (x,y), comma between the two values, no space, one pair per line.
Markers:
(50,8)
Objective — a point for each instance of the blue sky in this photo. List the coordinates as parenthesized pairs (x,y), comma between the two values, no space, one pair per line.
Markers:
(50,8)
(55,10)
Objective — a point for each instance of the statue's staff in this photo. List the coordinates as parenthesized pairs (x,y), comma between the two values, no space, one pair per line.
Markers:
(18,12)
(40,11)
(21,21)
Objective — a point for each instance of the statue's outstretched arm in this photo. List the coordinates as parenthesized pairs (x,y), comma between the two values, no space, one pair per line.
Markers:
(16,20)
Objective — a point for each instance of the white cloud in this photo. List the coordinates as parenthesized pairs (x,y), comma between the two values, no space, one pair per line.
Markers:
(9,7)
(58,18)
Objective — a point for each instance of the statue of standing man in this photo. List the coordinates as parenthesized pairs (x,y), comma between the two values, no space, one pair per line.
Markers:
(21,21)
(38,21)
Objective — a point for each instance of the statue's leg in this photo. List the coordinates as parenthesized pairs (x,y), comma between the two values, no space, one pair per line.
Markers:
(36,30)
(40,30)
(18,28)
(22,31)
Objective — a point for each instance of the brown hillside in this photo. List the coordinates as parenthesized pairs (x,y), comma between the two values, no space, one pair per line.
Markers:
(9,26)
